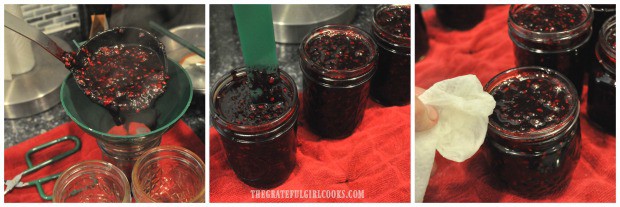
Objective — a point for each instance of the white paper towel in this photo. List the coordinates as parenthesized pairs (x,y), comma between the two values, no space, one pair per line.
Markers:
(463,108)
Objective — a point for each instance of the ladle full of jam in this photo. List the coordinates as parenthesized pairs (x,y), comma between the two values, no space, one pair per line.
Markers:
(122,69)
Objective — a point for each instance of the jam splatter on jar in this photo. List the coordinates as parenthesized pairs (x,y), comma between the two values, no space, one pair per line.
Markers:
(391,30)
(337,62)
(421,38)
(259,134)
(460,17)
(533,142)
(602,83)
(552,36)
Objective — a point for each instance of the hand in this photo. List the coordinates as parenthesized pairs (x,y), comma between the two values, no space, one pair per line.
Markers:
(425,116)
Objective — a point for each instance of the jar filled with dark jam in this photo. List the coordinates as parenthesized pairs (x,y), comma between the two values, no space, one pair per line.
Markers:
(602,12)
(338,62)
(533,140)
(259,132)
(391,30)
(602,84)
(459,16)
(552,36)
(421,38)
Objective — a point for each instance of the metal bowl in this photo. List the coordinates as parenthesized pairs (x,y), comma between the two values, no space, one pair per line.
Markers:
(192,63)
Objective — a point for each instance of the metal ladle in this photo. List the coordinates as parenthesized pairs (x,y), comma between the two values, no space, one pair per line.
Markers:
(75,61)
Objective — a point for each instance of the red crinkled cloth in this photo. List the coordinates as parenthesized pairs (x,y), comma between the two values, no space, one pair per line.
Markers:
(485,51)
(375,159)
(14,161)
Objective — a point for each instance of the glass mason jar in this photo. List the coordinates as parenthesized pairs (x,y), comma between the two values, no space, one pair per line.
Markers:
(261,151)
(460,16)
(391,30)
(602,83)
(337,62)
(561,46)
(92,181)
(602,12)
(533,141)
(421,38)
(169,174)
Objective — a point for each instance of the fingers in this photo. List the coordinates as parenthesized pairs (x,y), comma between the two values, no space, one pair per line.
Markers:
(425,116)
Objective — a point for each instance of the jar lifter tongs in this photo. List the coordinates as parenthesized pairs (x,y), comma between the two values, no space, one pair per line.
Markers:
(15,182)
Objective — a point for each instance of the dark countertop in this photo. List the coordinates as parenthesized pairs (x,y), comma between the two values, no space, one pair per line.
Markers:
(18,130)
(225,49)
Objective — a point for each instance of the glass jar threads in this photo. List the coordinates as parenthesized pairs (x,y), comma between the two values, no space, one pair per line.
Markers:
(337,62)
(460,16)
(391,30)
(168,174)
(92,181)
(552,36)
(602,83)
(534,137)
(259,135)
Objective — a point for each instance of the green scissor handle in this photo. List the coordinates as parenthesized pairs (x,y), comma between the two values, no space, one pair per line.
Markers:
(32,168)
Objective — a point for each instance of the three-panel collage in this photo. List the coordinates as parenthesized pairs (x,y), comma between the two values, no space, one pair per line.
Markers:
(309,103)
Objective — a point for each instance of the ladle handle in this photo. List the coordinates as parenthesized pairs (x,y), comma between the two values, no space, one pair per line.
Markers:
(24,29)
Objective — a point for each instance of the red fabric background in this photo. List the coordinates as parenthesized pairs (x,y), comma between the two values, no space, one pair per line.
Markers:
(485,51)
(14,161)
(376,159)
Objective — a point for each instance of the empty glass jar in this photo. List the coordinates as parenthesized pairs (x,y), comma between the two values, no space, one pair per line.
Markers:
(169,174)
(92,181)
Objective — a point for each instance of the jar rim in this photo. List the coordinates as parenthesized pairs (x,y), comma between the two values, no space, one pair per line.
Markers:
(566,33)
(543,134)
(608,26)
(383,30)
(166,148)
(219,119)
(332,73)
(91,165)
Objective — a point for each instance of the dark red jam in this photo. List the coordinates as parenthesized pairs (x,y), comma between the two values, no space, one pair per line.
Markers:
(528,104)
(391,31)
(460,17)
(552,36)
(258,132)
(237,105)
(533,142)
(122,78)
(421,38)
(338,50)
(336,91)
(601,106)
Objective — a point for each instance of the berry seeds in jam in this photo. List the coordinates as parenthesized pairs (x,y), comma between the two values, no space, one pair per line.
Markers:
(533,142)
(337,62)
(121,78)
(237,105)
(552,36)
(259,133)
(527,104)
(338,50)
(392,32)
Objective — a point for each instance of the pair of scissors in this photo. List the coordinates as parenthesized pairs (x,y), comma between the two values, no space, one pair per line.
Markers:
(15,182)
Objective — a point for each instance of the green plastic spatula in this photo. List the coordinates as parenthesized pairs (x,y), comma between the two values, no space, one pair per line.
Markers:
(258,44)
